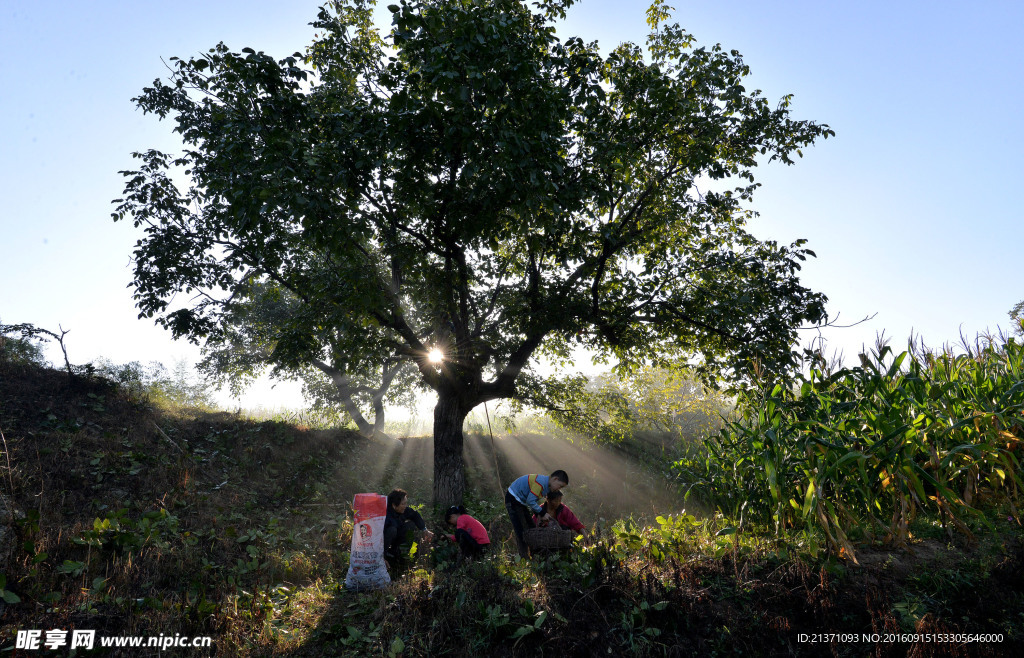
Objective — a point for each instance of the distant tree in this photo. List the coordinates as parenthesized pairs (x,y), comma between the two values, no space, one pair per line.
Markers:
(1017,315)
(617,408)
(338,366)
(180,387)
(20,343)
(473,185)
(16,343)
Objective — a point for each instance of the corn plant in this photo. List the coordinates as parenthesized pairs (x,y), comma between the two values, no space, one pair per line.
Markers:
(865,449)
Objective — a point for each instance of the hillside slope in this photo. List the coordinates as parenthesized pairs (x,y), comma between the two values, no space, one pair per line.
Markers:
(128,519)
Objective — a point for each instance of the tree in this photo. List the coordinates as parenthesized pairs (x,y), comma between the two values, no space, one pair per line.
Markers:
(666,404)
(180,387)
(1017,315)
(342,369)
(477,186)
(21,349)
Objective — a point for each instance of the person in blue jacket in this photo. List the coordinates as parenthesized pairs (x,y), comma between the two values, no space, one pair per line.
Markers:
(525,497)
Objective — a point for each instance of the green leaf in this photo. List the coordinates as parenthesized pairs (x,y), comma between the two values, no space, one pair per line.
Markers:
(809,498)
(10,597)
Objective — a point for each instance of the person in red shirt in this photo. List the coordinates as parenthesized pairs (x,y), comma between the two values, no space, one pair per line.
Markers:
(560,513)
(470,534)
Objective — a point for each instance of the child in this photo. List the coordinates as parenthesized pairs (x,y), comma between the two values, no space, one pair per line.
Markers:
(470,534)
(560,514)
(524,498)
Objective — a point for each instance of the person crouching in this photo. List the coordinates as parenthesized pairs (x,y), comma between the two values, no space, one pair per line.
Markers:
(470,534)
(560,514)
(402,526)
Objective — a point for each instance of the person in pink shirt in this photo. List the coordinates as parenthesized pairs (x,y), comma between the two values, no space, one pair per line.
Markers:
(470,534)
(560,513)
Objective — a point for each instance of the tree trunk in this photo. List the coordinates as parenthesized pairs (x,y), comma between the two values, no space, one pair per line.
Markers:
(449,479)
(345,393)
(375,431)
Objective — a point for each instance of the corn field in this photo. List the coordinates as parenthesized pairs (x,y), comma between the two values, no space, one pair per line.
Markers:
(857,453)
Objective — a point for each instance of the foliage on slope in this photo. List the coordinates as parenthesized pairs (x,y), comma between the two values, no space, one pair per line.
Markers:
(130,519)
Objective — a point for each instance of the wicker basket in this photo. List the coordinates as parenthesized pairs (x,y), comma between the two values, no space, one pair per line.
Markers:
(547,538)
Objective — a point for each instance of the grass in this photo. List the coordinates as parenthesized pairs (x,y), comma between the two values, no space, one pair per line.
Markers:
(135,519)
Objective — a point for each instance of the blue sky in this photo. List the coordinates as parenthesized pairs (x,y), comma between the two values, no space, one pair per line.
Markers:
(911,208)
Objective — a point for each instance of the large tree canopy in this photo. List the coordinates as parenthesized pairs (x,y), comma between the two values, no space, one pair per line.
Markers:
(475,184)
